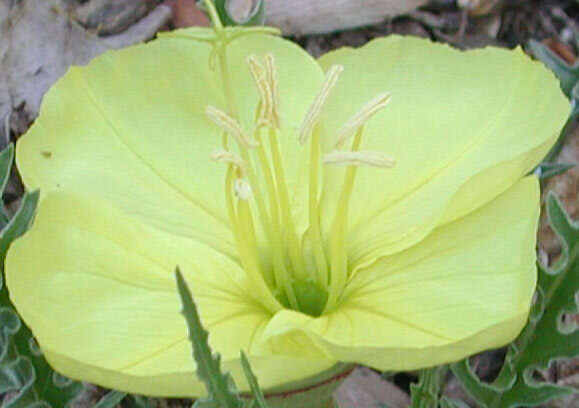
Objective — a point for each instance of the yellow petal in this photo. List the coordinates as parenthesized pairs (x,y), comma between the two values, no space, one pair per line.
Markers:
(132,127)
(97,288)
(462,127)
(466,288)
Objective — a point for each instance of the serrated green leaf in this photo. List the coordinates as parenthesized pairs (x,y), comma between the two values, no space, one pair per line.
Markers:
(543,340)
(111,399)
(258,398)
(426,393)
(567,74)
(220,387)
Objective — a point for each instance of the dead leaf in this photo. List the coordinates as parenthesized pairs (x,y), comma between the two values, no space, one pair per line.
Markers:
(365,388)
(40,39)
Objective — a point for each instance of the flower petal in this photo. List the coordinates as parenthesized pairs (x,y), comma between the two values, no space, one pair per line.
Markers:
(131,127)
(462,127)
(465,288)
(98,291)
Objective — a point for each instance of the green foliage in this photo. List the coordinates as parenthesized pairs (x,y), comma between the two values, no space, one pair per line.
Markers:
(545,338)
(426,394)
(6,158)
(220,387)
(258,398)
(24,373)
(111,399)
(568,74)
(256,16)
(547,170)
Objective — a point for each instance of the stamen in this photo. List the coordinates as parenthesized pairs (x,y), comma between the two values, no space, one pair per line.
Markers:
(230,125)
(241,186)
(223,156)
(271,75)
(360,158)
(311,118)
(263,88)
(361,117)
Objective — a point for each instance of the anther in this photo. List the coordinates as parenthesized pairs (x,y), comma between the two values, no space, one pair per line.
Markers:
(223,156)
(361,117)
(242,189)
(361,158)
(271,75)
(230,125)
(315,110)
(263,88)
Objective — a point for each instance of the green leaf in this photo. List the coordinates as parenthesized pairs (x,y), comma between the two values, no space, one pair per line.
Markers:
(258,398)
(547,170)
(220,387)
(545,338)
(567,74)
(446,402)
(111,399)
(6,158)
(426,393)
(256,16)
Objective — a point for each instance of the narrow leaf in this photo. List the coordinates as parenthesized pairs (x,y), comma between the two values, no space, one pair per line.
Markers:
(547,170)
(111,399)
(6,158)
(221,392)
(259,399)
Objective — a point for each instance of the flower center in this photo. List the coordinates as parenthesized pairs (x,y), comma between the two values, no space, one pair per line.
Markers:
(258,198)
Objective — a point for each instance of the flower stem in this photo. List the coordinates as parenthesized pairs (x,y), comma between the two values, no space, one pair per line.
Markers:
(213,15)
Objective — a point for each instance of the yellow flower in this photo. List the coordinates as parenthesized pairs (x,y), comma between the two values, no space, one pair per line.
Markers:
(379,213)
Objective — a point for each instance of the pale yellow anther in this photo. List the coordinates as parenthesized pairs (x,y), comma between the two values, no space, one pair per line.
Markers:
(223,156)
(360,158)
(263,88)
(361,117)
(315,110)
(271,75)
(242,189)
(230,125)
